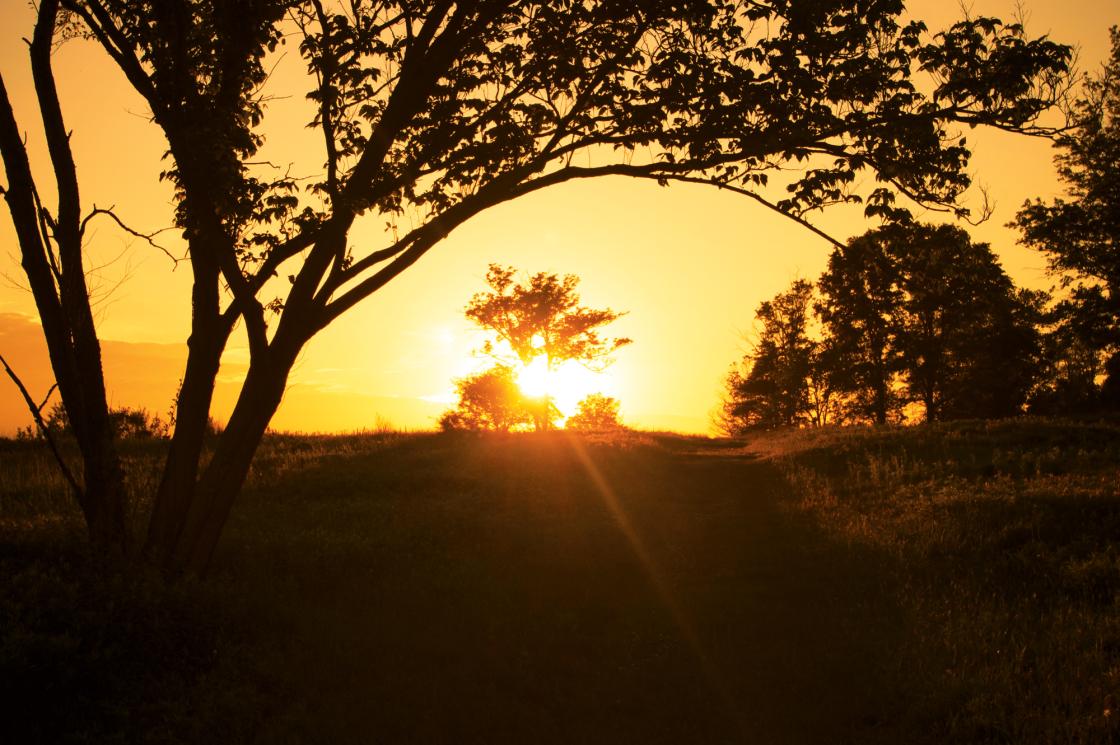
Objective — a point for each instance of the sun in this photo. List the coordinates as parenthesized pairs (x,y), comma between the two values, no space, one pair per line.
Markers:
(568,384)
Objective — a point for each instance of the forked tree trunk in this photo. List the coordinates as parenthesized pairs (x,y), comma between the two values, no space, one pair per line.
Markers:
(214,494)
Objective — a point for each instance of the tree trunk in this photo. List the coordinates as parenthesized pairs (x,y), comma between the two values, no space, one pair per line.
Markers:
(180,471)
(209,333)
(51,256)
(880,401)
(105,500)
(224,476)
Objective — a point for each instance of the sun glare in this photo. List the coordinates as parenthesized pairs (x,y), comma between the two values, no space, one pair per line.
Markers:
(568,384)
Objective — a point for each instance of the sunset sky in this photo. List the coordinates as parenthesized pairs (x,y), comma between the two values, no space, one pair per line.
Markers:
(688,264)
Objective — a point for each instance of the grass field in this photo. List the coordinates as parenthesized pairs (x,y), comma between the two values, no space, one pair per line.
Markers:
(950,584)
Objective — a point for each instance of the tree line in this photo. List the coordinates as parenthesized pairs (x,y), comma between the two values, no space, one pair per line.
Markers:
(918,321)
(903,316)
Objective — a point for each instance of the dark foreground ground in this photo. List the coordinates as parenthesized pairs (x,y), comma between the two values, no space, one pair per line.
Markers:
(425,589)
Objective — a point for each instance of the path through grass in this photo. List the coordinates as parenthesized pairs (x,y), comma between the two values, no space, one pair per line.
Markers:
(440,590)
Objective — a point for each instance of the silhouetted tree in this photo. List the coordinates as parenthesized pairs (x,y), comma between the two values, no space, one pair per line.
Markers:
(542,317)
(771,389)
(490,400)
(595,413)
(1080,236)
(828,399)
(968,341)
(860,302)
(441,110)
(921,313)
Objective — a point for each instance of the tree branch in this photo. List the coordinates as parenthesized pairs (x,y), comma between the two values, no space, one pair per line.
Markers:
(37,415)
(148,237)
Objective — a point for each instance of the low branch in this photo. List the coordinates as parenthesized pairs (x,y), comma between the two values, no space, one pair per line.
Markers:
(763,201)
(37,415)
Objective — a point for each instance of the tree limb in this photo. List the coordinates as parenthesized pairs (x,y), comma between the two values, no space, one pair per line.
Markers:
(37,415)
(148,237)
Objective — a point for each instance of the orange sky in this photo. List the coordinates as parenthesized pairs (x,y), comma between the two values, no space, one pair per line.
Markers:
(690,264)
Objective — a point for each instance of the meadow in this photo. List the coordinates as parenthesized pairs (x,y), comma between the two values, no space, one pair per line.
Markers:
(952,583)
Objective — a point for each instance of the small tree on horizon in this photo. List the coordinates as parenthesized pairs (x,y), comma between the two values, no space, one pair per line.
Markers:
(595,413)
(541,317)
(491,401)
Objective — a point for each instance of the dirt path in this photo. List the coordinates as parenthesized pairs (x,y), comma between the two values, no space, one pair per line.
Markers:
(529,592)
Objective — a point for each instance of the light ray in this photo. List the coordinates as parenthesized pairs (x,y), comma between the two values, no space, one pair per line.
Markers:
(656,577)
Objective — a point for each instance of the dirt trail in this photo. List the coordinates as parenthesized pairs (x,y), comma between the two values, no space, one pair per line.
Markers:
(549,593)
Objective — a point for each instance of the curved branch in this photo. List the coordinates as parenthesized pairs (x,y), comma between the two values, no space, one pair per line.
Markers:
(147,237)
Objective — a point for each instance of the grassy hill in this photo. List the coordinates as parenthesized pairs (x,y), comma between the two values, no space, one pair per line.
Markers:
(958,583)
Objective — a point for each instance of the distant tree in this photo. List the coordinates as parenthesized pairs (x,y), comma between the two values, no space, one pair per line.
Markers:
(441,111)
(770,388)
(967,337)
(489,401)
(128,423)
(1080,236)
(859,306)
(595,413)
(921,313)
(542,317)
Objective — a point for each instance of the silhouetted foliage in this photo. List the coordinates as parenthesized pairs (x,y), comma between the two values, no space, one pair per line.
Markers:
(860,300)
(595,413)
(1080,236)
(439,111)
(909,314)
(492,401)
(919,313)
(771,388)
(127,423)
(967,339)
(543,317)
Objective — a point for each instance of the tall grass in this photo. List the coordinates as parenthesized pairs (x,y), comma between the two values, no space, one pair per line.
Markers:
(1004,537)
(949,584)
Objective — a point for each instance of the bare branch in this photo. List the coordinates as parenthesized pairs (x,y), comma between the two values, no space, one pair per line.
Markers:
(37,415)
(149,238)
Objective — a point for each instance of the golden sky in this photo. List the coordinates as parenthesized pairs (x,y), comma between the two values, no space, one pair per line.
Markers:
(688,263)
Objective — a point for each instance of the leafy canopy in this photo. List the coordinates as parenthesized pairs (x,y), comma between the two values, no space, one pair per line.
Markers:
(543,316)
(491,400)
(438,110)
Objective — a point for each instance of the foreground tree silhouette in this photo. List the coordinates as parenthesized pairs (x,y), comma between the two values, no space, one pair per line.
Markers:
(442,110)
(1080,236)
